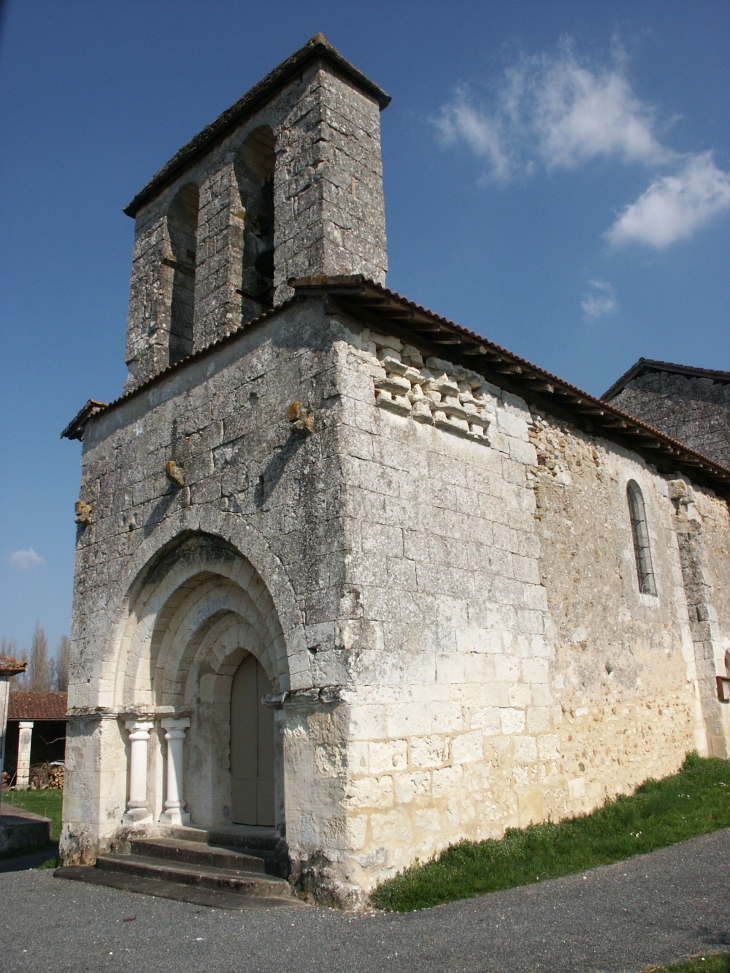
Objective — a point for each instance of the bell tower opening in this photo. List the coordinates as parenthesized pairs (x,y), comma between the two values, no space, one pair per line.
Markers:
(182,228)
(254,168)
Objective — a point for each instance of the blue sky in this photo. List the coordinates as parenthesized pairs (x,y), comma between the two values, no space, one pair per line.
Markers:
(556,178)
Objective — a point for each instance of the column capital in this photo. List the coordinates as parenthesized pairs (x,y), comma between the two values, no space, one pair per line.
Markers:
(26,724)
(140,727)
(176,723)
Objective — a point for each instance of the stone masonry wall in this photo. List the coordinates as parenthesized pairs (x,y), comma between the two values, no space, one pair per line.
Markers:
(251,477)
(329,215)
(503,667)
(691,409)
(458,570)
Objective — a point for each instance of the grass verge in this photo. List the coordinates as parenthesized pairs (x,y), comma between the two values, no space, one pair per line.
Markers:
(47,803)
(717,963)
(659,813)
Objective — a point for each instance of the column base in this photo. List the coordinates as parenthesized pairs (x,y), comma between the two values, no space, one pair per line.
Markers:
(175,817)
(137,815)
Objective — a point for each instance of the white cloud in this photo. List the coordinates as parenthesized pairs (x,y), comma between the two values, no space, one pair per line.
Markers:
(460,120)
(26,560)
(600,301)
(555,111)
(673,207)
(582,115)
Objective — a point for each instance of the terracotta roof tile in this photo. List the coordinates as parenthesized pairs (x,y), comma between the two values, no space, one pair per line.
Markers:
(37,706)
(11,667)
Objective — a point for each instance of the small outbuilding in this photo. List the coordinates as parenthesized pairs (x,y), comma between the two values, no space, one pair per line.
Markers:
(36,733)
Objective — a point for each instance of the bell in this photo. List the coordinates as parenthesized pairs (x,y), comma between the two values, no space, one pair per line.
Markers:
(264,263)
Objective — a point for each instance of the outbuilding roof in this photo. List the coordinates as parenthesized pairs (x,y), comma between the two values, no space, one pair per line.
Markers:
(316,48)
(644,365)
(376,305)
(37,706)
(11,667)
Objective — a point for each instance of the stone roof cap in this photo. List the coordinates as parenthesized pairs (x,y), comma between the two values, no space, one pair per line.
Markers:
(11,667)
(375,304)
(75,428)
(37,706)
(644,365)
(316,48)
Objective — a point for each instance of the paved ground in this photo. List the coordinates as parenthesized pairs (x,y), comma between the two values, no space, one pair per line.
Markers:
(649,910)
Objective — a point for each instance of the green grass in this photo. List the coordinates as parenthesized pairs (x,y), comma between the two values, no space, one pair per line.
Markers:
(719,963)
(47,803)
(659,813)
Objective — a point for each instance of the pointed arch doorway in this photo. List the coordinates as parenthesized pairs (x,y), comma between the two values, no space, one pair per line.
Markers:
(252,746)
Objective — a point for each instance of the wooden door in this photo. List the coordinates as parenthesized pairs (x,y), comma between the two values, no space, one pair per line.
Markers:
(252,746)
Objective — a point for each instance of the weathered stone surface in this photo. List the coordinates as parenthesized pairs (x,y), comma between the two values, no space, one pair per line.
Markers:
(439,581)
(692,408)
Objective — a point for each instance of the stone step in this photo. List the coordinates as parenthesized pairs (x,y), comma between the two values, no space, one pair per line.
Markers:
(197,853)
(205,876)
(212,898)
(254,839)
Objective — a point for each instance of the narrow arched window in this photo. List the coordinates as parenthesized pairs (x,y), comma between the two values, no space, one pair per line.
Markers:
(254,167)
(182,226)
(640,533)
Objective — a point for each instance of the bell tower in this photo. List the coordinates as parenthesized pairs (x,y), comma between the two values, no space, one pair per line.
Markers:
(285,183)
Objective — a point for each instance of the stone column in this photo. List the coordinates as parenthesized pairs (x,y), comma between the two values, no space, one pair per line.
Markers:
(25,735)
(139,735)
(4,693)
(175,812)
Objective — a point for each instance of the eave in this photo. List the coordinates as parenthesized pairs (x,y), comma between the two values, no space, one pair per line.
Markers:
(374,303)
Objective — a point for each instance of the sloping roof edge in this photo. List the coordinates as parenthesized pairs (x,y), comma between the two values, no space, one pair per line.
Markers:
(360,297)
(317,47)
(75,428)
(485,357)
(650,365)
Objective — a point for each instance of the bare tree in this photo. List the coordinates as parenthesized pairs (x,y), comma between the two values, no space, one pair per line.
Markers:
(39,670)
(8,647)
(60,667)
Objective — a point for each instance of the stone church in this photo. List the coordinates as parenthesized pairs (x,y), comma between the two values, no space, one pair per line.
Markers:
(351,579)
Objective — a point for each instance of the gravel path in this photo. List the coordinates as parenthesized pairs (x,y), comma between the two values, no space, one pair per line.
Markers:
(649,910)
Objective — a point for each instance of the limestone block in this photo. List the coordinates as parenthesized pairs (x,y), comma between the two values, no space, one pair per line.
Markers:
(535,670)
(531,807)
(423,718)
(447,781)
(357,757)
(522,452)
(467,747)
(525,749)
(390,828)
(369,792)
(538,719)
(411,785)
(519,695)
(428,820)
(428,751)
(487,718)
(549,746)
(576,788)
(513,720)
(507,669)
(387,756)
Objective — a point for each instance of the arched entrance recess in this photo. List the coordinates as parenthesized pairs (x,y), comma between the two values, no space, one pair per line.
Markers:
(199,614)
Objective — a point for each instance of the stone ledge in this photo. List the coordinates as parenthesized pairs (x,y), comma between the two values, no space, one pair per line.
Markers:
(22,829)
